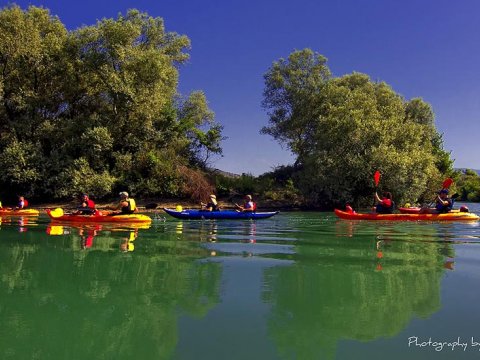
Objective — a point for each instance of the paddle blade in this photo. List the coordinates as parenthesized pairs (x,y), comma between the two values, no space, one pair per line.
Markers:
(447,183)
(56,213)
(376,177)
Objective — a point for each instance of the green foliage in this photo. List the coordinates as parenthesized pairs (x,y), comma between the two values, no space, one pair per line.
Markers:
(20,167)
(468,186)
(99,101)
(81,178)
(344,129)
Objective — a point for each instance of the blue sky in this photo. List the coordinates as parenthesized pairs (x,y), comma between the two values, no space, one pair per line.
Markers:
(428,49)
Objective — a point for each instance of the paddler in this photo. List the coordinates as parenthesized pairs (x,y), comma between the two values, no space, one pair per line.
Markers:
(385,205)
(443,204)
(87,206)
(126,205)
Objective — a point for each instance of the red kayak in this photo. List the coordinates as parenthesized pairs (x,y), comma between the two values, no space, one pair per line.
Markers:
(451,216)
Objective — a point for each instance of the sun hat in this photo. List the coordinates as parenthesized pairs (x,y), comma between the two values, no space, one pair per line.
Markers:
(213,196)
(123,193)
(249,196)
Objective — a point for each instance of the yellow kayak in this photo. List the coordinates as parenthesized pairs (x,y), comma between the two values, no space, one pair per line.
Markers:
(21,212)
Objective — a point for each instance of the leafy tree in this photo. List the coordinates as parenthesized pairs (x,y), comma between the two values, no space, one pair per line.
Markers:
(106,94)
(343,129)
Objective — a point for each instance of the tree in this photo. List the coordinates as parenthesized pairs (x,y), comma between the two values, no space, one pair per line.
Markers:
(343,129)
(106,94)
(292,87)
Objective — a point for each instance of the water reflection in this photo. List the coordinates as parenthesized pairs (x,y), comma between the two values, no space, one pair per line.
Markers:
(21,222)
(70,292)
(365,281)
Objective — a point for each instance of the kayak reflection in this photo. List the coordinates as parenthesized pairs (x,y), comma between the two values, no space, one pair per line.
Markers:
(23,222)
(87,233)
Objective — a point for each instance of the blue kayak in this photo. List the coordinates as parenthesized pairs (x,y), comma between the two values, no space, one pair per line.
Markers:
(224,214)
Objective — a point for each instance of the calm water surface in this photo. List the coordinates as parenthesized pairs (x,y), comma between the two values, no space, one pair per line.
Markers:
(301,285)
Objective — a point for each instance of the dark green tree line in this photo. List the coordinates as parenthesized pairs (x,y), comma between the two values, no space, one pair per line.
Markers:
(97,109)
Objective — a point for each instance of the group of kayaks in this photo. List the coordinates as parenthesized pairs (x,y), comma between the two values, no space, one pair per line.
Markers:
(406,214)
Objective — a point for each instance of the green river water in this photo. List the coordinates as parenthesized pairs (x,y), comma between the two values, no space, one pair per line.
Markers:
(301,285)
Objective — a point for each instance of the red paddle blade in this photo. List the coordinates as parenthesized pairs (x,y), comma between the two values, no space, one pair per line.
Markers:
(376,177)
(447,183)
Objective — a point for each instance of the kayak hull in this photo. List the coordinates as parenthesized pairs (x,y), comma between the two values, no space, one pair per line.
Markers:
(21,212)
(190,214)
(98,218)
(416,210)
(455,216)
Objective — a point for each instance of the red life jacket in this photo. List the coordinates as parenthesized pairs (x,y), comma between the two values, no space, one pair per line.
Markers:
(25,203)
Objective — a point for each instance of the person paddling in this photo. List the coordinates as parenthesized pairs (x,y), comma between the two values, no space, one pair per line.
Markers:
(443,204)
(249,205)
(22,203)
(126,205)
(211,205)
(87,206)
(385,205)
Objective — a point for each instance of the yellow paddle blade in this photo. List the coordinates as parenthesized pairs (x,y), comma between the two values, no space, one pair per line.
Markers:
(58,212)
(55,230)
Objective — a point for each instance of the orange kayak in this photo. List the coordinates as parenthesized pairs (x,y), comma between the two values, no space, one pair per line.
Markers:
(59,215)
(452,216)
(21,212)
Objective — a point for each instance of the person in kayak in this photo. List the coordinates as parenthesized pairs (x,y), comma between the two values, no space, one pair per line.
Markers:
(349,209)
(443,204)
(211,205)
(87,206)
(249,205)
(22,203)
(126,205)
(385,205)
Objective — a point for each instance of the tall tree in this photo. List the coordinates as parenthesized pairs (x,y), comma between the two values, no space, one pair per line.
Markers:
(343,129)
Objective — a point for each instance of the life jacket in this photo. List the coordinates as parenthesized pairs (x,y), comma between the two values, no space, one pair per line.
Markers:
(212,205)
(90,204)
(385,207)
(25,203)
(130,208)
(441,208)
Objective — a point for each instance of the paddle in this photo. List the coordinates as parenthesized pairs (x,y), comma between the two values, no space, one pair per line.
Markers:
(376,179)
(56,213)
(445,185)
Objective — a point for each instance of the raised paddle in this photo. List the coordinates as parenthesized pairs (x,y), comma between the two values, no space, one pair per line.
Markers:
(447,183)
(376,179)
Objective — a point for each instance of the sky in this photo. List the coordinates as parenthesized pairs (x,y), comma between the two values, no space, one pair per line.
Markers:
(428,49)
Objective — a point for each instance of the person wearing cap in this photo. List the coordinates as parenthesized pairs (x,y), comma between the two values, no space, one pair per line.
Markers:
(211,205)
(87,206)
(249,205)
(443,204)
(126,205)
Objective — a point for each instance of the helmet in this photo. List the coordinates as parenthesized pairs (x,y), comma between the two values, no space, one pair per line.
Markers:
(463,209)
